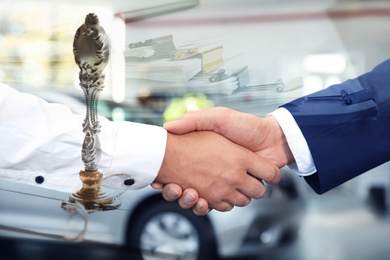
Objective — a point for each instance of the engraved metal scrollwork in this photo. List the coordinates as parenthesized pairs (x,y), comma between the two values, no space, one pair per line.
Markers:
(91,49)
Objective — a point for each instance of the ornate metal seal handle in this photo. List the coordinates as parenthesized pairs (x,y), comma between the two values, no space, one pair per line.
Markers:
(91,49)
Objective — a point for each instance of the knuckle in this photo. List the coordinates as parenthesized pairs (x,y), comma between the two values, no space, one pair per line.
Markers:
(227,208)
(244,202)
(183,205)
(189,114)
(273,175)
(226,112)
(232,179)
(241,160)
(199,212)
(222,109)
(259,193)
(237,160)
(224,207)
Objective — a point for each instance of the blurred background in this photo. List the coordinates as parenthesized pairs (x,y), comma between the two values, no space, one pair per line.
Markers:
(248,55)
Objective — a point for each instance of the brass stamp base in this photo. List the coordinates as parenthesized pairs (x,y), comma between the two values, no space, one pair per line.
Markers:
(90,194)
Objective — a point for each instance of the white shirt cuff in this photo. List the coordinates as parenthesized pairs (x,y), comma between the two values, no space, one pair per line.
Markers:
(303,165)
(135,152)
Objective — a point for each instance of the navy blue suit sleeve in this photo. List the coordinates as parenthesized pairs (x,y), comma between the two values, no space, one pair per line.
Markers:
(347,127)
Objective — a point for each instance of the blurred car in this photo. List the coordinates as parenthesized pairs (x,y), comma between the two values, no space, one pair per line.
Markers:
(159,228)
(266,223)
(146,221)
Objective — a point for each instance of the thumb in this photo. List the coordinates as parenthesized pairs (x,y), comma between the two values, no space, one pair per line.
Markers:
(157,185)
(191,121)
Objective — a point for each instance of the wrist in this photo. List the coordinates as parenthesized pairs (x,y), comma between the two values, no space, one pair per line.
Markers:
(177,155)
(162,176)
(281,148)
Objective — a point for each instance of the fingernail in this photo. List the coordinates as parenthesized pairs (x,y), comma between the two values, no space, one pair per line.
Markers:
(172,193)
(189,198)
(198,207)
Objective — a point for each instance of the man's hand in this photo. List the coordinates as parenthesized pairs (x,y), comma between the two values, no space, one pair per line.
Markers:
(216,168)
(260,135)
(187,199)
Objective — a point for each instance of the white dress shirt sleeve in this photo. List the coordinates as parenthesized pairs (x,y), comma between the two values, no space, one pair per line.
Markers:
(303,165)
(40,144)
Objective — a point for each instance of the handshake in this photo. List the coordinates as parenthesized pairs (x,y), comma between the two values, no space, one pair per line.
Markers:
(219,158)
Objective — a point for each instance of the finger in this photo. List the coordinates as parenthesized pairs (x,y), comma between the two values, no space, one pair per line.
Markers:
(240,200)
(201,207)
(171,192)
(258,169)
(237,198)
(157,185)
(189,198)
(222,206)
(252,188)
(208,119)
(262,169)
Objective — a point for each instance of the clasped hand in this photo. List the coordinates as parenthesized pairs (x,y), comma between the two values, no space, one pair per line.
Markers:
(218,158)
